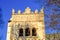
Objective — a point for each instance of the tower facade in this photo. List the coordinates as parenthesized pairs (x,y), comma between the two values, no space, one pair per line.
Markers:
(26,26)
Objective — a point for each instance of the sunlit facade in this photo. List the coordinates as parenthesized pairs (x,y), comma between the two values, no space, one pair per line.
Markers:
(26,26)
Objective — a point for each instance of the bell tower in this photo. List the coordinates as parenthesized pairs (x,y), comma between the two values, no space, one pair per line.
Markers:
(26,26)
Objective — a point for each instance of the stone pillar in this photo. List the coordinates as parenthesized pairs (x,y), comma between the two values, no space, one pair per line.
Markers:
(31,32)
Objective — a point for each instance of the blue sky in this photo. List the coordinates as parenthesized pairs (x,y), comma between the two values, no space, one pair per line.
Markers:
(7,5)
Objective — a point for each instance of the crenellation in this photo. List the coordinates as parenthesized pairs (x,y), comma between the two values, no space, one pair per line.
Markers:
(27,11)
(42,10)
(28,15)
(36,11)
(19,11)
(13,11)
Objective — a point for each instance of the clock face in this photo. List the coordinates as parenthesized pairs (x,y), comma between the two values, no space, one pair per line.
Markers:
(14,32)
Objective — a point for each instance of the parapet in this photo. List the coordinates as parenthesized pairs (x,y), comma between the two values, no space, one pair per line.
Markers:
(27,15)
(27,11)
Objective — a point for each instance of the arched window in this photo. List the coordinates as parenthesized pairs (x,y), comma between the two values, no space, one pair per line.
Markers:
(27,32)
(21,32)
(33,32)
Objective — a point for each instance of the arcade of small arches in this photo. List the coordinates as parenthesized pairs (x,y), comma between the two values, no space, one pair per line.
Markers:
(28,32)
(24,30)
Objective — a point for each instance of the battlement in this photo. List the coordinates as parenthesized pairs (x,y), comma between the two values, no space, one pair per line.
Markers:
(27,15)
(27,11)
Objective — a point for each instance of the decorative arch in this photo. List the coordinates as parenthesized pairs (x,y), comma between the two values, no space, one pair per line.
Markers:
(34,32)
(21,32)
(27,32)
